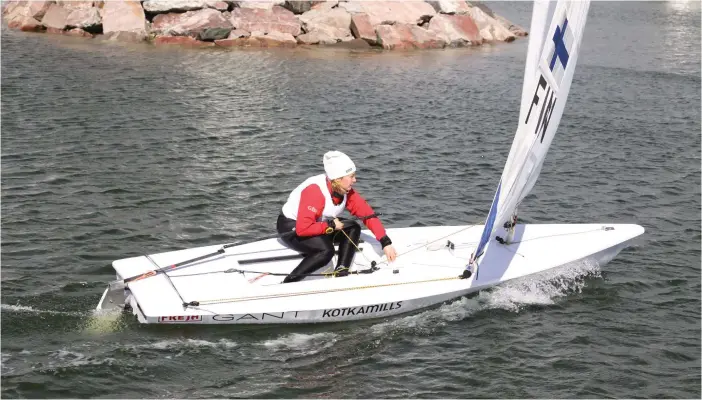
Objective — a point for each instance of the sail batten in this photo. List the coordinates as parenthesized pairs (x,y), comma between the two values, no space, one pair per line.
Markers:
(549,68)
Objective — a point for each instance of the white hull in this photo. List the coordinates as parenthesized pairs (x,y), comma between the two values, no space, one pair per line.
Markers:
(426,273)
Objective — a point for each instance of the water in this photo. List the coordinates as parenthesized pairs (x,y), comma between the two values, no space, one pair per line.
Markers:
(113,151)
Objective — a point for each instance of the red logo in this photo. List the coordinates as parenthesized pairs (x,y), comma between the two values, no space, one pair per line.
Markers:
(181,318)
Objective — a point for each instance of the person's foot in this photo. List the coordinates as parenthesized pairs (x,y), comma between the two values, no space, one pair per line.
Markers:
(341,271)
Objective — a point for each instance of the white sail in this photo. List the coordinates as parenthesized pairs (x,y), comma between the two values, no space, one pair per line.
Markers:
(545,91)
(536,41)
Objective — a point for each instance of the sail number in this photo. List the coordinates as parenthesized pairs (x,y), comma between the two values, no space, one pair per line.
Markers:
(547,106)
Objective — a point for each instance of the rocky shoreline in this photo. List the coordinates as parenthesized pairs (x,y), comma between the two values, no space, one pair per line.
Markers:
(209,23)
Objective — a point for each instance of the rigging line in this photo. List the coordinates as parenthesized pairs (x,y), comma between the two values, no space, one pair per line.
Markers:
(558,234)
(444,266)
(246,271)
(274,296)
(428,243)
(354,245)
(167,277)
(226,271)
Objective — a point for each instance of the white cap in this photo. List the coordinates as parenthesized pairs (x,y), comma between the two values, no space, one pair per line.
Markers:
(337,164)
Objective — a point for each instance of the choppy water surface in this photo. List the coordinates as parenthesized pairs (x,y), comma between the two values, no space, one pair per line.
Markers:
(113,151)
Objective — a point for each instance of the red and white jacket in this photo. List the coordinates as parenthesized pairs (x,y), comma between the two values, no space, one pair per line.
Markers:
(311,203)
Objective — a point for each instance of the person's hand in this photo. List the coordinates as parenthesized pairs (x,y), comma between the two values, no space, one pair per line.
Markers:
(338,225)
(390,253)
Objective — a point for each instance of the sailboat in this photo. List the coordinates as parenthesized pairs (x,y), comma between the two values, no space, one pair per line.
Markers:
(242,284)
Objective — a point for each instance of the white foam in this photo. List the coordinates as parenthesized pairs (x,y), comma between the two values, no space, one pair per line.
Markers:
(69,358)
(540,289)
(189,343)
(19,308)
(302,342)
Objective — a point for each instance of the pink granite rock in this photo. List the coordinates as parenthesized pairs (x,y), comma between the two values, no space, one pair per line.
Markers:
(84,18)
(56,17)
(25,23)
(77,32)
(259,4)
(190,23)
(168,6)
(450,6)
(490,29)
(75,5)
(277,19)
(326,26)
(407,36)
(123,16)
(273,39)
(325,35)
(362,29)
(456,30)
(404,12)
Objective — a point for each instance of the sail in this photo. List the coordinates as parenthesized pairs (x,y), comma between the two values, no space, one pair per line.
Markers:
(536,40)
(545,90)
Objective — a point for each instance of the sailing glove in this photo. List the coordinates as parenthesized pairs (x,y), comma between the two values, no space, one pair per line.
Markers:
(385,241)
(330,226)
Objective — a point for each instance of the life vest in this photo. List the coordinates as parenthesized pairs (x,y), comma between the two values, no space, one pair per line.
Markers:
(331,210)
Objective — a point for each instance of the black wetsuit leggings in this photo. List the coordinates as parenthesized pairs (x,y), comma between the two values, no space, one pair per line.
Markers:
(319,250)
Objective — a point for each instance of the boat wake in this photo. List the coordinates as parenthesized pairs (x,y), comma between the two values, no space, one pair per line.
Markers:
(513,296)
(306,344)
(30,309)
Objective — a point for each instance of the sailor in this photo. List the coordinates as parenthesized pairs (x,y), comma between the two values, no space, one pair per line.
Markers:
(310,223)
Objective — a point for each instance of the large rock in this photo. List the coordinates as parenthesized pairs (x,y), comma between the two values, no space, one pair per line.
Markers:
(298,7)
(325,35)
(261,5)
(218,5)
(77,32)
(325,26)
(449,6)
(168,6)
(362,29)
(259,39)
(515,29)
(407,36)
(237,33)
(24,23)
(10,6)
(212,34)
(34,9)
(123,36)
(456,30)
(26,16)
(277,19)
(404,12)
(490,29)
(87,19)
(324,5)
(355,44)
(190,23)
(273,39)
(75,5)
(318,18)
(124,16)
(56,17)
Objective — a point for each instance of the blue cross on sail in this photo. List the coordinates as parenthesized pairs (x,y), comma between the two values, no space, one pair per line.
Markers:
(562,41)
(549,69)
